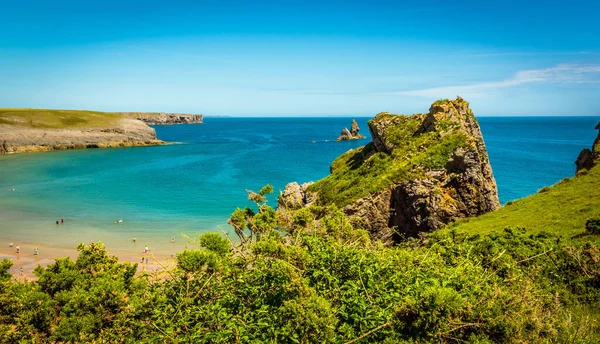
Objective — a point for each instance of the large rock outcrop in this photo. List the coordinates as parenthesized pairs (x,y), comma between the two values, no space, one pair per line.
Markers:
(352,134)
(418,174)
(589,158)
(295,196)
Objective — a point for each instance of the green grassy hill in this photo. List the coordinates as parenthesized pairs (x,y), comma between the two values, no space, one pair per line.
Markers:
(561,209)
(57,119)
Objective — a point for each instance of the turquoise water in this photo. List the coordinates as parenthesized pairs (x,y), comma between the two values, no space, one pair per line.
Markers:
(160,192)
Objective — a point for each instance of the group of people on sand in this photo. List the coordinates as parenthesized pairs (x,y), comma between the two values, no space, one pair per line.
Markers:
(61,221)
(36,251)
(144,253)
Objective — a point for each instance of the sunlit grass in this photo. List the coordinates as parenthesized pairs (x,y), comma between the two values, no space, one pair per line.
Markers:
(57,119)
(562,209)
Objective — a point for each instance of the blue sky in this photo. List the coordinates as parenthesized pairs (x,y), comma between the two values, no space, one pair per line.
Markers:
(309,58)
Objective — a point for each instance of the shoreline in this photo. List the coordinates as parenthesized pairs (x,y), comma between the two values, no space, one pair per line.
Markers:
(27,261)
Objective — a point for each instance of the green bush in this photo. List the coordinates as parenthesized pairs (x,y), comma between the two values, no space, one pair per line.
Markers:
(327,285)
(593,225)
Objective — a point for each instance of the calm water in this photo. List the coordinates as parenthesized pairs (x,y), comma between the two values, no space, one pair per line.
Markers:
(160,192)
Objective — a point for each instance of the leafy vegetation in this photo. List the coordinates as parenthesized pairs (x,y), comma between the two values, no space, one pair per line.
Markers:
(593,225)
(57,119)
(318,279)
(358,173)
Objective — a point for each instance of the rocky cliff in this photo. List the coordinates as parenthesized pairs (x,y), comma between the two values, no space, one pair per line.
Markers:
(127,133)
(164,118)
(34,130)
(352,134)
(589,158)
(419,173)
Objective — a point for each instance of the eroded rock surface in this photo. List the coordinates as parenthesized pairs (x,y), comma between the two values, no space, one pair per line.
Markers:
(165,118)
(589,158)
(295,196)
(122,133)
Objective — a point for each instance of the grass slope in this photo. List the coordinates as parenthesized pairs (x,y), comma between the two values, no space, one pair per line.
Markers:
(57,119)
(561,209)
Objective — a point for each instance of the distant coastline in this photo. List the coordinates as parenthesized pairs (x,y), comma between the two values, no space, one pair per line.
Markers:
(38,130)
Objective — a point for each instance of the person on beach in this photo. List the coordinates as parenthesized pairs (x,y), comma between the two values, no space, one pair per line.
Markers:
(18,249)
(146,249)
(62,221)
(133,240)
(56,221)
(35,251)
(21,272)
(10,245)
(172,240)
(146,260)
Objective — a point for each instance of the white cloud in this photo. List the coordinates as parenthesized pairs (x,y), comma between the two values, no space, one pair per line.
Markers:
(562,73)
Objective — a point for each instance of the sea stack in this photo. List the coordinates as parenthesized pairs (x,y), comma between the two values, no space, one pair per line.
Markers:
(352,134)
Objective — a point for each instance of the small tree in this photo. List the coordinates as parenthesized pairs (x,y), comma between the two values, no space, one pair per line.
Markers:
(258,224)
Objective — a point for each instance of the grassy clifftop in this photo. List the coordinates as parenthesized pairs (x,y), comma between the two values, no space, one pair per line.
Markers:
(57,119)
(35,130)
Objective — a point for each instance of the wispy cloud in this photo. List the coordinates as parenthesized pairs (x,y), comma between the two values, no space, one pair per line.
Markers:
(562,73)
(531,53)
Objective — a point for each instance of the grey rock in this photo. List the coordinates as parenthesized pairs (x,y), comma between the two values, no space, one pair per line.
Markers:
(589,158)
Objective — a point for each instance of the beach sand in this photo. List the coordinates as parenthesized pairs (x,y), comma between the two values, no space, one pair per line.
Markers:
(26,260)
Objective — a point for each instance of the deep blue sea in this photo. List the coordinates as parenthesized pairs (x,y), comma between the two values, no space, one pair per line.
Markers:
(160,192)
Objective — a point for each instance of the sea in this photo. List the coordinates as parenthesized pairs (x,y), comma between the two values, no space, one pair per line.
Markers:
(157,194)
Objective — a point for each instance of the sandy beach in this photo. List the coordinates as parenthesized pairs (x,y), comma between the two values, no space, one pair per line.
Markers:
(163,258)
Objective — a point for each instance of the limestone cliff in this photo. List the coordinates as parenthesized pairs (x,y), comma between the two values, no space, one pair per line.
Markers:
(589,158)
(419,173)
(352,134)
(124,133)
(164,118)
(34,130)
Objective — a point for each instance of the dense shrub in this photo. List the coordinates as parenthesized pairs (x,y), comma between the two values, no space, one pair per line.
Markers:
(593,225)
(326,284)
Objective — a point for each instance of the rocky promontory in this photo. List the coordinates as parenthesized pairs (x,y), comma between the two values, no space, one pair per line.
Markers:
(352,134)
(419,173)
(34,130)
(589,158)
(163,118)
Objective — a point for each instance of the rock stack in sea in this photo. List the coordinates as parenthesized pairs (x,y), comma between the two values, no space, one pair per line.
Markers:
(589,158)
(352,134)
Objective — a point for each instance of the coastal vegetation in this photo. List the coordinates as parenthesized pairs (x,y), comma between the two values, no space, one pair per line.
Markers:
(318,279)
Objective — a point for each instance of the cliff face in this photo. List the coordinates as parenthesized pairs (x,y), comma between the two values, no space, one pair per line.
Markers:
(419,173)
(164,118)
(34,130)
(123,133)
(589,158)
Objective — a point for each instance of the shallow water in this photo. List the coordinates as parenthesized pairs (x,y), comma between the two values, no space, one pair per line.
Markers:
(161,192)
